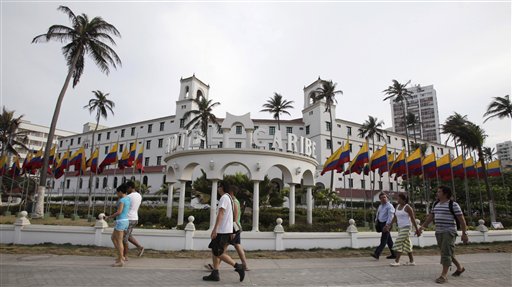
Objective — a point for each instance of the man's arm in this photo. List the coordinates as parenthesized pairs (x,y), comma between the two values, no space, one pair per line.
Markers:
(220,215)
(463,227)
(428,220)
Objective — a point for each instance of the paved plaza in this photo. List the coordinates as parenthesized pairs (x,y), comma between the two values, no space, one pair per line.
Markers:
(484,269)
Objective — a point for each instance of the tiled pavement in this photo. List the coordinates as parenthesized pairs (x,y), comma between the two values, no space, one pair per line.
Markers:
(484,269)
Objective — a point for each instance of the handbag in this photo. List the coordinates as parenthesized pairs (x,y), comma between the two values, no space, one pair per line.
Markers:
(236,226)
(378,226)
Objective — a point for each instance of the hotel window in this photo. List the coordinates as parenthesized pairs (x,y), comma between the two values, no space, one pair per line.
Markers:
(403,143)
(79,140)
(150,128)
(289,130)
(390,186)
(115,182)
(108,135)
(60,143)
(131,145)
(160,142)
(350,183)
(71,142)
(67,183)
(106,150)
(146,161)
(162,124)
(182,123)
(442,151)
(148,144)
(121,147)
(220,144)
(256,127)
(272,130)
(389,140)
(122,133)
(307,130)
(363,184)
(132,133)
(159,160)
(349,131)
(350,147)
(328,126)
(270,146)
(97,183)
(328,144)
(238,130)
(80,183)
(380,185)
(238,144)
(432,149)
(105,182)
(99,137)
(378,137)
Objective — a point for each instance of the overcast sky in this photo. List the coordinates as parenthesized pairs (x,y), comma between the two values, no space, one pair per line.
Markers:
(248,51)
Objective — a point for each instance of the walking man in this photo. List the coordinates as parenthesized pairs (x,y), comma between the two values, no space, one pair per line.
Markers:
(221,236)
(133,219)
(385,214)
(445,213)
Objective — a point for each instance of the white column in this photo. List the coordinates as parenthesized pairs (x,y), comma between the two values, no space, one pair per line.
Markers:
(170,197)
(249,133)
(225,141)
(181,207)
(292,204)
(256,207)
(213,204)
(309,203)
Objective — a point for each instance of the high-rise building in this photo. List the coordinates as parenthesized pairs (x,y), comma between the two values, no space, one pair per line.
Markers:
(38,135)
(504,151)
(423,105)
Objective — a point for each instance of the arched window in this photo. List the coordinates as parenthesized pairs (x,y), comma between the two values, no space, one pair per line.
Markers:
(115,182)
(124,179)
(133,178)
(312,97)
(80,183)
(199,94)
(97,184)
(105,182)
(145,180)
(187,89)
(164,179)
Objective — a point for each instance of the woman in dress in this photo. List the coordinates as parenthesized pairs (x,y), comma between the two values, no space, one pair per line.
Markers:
(404,216)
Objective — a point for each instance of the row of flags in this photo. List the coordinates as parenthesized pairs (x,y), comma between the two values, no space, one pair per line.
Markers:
(414,164)
(77,159)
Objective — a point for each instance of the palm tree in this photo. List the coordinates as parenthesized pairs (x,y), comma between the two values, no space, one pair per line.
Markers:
(101,105)
(399,94)
(473,136)
(501,107)
(202,116)
(328,93)
(84,36)
(489,154)
(10,135)
(412,121)
(276,105)
(452,127)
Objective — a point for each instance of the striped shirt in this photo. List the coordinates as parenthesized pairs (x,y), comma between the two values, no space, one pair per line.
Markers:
(444,219)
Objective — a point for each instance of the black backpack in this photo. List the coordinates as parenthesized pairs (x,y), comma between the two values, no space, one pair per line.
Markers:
(450,206)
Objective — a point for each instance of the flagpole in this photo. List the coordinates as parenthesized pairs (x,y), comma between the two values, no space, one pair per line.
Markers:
(135,156)
(480,192)
(94,188)
(61,216)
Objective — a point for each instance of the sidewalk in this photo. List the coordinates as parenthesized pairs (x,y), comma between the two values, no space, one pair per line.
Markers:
(484,269)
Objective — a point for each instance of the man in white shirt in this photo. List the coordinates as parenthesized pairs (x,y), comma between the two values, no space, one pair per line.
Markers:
(221,234)
(133,219)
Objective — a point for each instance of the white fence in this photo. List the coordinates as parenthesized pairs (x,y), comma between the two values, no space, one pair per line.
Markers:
(22,232)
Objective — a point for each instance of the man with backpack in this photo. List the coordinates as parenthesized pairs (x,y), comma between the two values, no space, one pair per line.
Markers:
(446,213)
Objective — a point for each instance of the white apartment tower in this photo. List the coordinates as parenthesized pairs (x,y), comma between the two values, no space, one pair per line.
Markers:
(423,104)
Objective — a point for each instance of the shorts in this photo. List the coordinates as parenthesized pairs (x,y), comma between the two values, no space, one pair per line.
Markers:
(446,242)
(121,225)
(218,244)
(128,233)
(236,238)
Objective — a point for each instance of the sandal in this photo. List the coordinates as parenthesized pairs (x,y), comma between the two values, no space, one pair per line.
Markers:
(457,272)
(118,264)
(441,280)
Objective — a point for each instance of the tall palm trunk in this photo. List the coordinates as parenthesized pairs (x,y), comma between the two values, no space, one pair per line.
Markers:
(490,194)
(406,130)
(91,174)
(39,211)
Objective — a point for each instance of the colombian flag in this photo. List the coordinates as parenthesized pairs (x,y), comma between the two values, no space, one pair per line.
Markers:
(51,160)
(391,159)
(3,165)
(138,161)
(332,161)
(443,167)
(109,159)
(37,160)
(480,169)
(414,162)
(457,167)
(357,164)
(429,166)
(123,162)
(379,160)
(92,163)
(15,168)
(63,165)
(493,168)
(26,163)
(398,166)
(469,165)
(131,158)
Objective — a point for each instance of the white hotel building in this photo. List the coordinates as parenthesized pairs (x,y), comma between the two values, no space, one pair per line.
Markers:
(156,134)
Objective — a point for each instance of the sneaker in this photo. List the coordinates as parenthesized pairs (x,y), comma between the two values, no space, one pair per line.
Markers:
(374,256)
(394,264)
(391,257)
(214,276)
(410,264)
(239,268)
(141,251)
